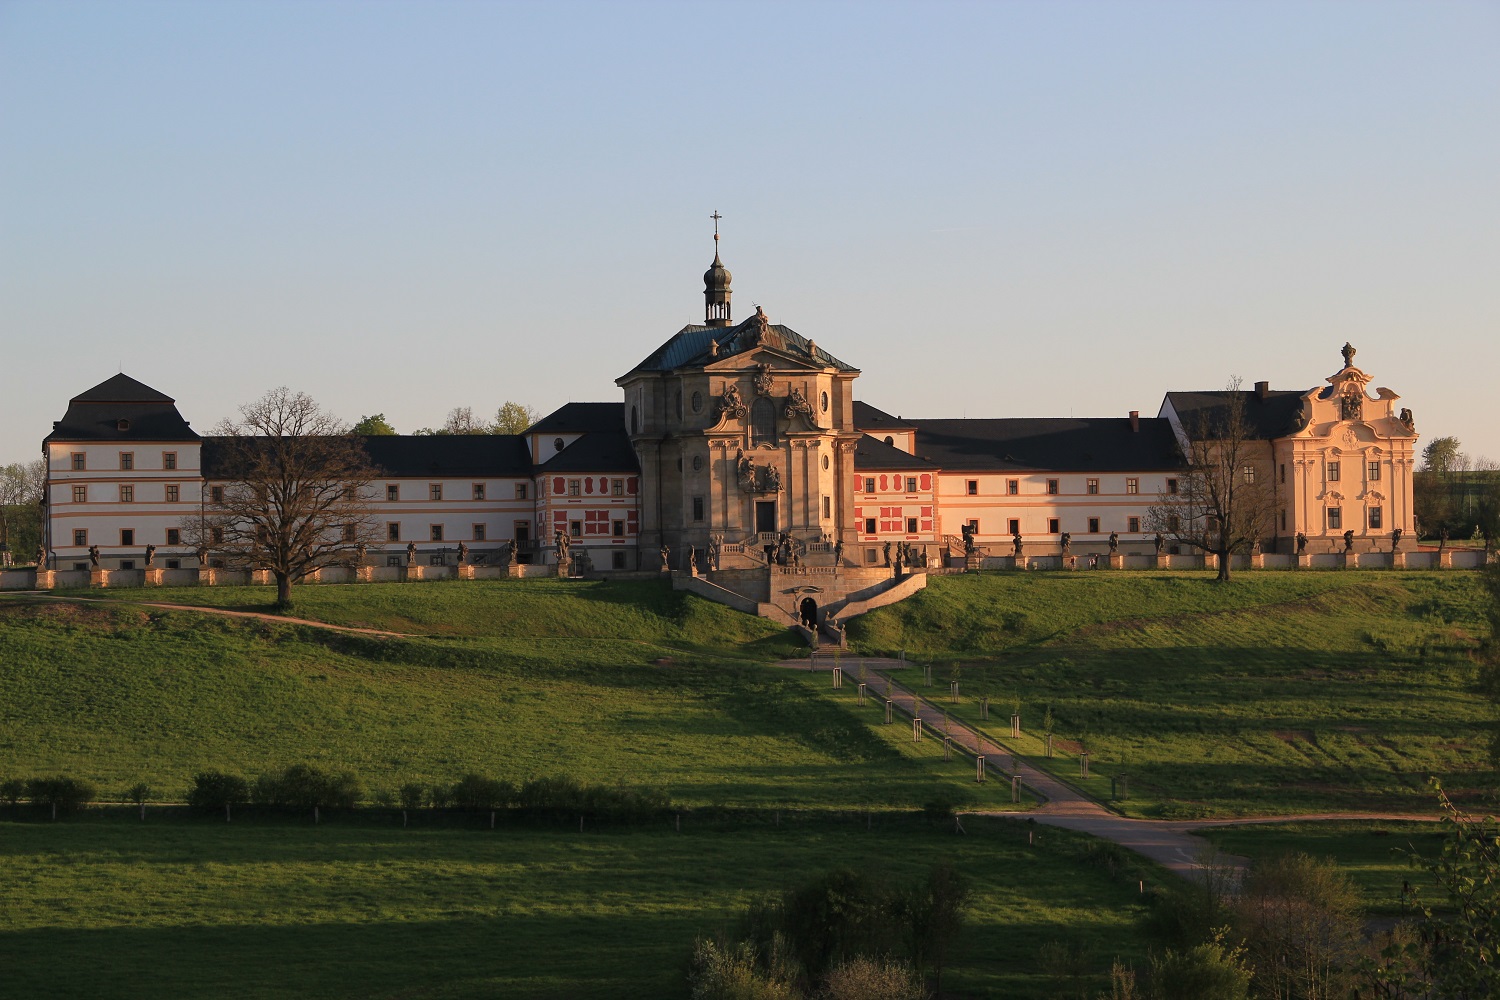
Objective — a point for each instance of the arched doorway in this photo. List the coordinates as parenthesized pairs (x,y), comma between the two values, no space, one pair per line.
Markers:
(809,612)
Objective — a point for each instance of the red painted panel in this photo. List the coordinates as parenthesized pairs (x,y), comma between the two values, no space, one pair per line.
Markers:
(926,525)
(882,482)
(926,511)
(631,485)
(859,512)
(926,481)
(559,485)
(588,484)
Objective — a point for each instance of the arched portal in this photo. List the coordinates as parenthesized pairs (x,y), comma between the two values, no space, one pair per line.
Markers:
(809,612)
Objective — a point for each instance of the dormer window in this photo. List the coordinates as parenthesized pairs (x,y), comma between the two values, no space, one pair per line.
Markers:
(122,424)
(557,444)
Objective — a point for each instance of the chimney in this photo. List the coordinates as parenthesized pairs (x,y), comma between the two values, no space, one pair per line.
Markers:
(1135,421)
(1262,390)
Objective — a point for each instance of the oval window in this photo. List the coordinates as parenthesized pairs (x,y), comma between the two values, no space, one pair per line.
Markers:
(825,402)
(825,462)
(558,444)
(697,463)
(697,402)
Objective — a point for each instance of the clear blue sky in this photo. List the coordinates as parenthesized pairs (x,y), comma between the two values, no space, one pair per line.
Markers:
(993,209)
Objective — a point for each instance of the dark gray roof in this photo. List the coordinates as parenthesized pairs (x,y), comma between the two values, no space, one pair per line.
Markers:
(868,418)
(875,455)
(607,451)
(1102,444)
(581,418)
(690,347)
(1270,417)
(121,409)
(416,456)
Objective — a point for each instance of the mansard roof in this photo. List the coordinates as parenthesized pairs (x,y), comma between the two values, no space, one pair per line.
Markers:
(415,456)
(869,418)
(873,454)
(581,418)
(1102,444)
(603,451)
(121,409)
(1267,417)
(690,347)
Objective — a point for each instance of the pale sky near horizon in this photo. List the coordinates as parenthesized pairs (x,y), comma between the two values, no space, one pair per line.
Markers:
(992,209)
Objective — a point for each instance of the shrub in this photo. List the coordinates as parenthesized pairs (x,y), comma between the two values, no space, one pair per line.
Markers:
(1207,971)
(411,795)
(942,805)
(12,791)
(140,793)
(59,795)
(873,979)
(476,792)
(1301,920)
(440,796)
(213,790)
(731,972)
(303,787)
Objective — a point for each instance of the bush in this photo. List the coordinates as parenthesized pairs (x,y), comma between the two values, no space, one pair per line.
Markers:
(1301,919)
(12,791)
(411,795)
(480,794)
(1207,971)
(302,787)
(873,979)
(213,790)
(942,806)
(731,972)
(59,795)
(140,793)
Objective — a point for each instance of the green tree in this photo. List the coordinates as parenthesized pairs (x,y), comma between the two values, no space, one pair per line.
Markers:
(514,418)
(1300,918)
(374,426)
(1208,971)
(1444,456)
(935,912)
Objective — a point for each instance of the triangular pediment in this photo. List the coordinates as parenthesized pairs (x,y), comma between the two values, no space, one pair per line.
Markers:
(778,361)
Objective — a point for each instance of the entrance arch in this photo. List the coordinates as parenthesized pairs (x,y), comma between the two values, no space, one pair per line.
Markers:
(808,612)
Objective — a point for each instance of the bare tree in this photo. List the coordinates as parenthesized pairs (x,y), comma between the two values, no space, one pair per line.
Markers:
(297,490)
(22,489)
(1224,501)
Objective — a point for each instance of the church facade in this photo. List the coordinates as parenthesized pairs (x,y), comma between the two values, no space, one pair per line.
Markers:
(741,445)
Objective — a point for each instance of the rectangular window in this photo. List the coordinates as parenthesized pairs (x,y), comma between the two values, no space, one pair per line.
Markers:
(1093,526)
(1372,472)
(870,556)
(80,494)
(393,560)
(617,560)
(174,536)
(827,508)
(393,531)
(617,528)
(127,494)
(869,526)
(1281,474)
(1012,487)
(1171,487)
(911,484)
(575,487)
(1014,526)
(127,564)
(1093,487)
(697,508)
(1174,523)
(1053,527)
(478,530)
(1333,472)
(617,487)
(521,491)
(436,533)
(974,525)
(349,533)
(1132,485)
(127,461)
(1335,518)
(80,461)
(216,535)
(436,560)
(1133,525)
(174,493)
(434,491)
(174,564)
(869,484)
(478,491)
(911,526)
(392,492)
(1052,487)
(169,460)
(1283,520)
(575,529)
(80,536)
(1377,518)
(127,536)
(1248,473)
(216,494)
(973,488)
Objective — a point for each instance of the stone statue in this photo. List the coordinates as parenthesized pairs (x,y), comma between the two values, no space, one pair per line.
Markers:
(1349,540)
(1067,542)
(1015,544)
(763,382)
(732,404)
(1114,542)
(1395,539)
(563,544)
(1304,415)
(1348,352)
(715,550)
(411,553)
(41,557)
(898,564)
(745,467)
(666,558)
(202,553)
(1407,420)
(887,553)
(796,403)
(1352,403)
(507,552)
(772,479)
(926,563)
(94,556)
(968,531)
(713,348)
(1442,539)
(359,554)
(1158,541)
(838,552)
(150,555)
(1255,547)
(1301,543)
(692,559)
(463,553)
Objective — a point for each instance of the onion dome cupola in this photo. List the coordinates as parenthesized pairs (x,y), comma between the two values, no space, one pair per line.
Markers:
(716,291)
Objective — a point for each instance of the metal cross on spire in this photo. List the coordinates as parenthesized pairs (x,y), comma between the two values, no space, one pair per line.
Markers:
(716,217)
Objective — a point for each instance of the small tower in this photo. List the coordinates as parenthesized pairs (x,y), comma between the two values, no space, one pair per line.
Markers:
(716,286)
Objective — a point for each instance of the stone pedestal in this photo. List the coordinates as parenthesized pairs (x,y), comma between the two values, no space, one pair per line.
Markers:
(98,578)
(1117,560)
(1445,559)
(1211,561)
(154,577)
(1350,560)
(1257,560)
(46,579)
(1302,560)
(513,570)
(466,572)
(205,576)
(1398,560)
(973,562)
(1159,560)
(260,577)
(364,574)
(1018,562)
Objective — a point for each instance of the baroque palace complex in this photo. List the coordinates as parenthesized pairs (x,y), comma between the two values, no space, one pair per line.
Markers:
(737,445)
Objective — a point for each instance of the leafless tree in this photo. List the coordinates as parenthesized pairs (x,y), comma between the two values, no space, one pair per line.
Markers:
(22,486)
(1225,500)
(297,490)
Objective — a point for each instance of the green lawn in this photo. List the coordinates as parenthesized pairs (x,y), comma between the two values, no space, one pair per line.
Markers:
(1277,693)
(111,908)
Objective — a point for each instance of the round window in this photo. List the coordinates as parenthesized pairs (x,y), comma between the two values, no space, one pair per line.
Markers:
(697,463)
(825,402)
(825,461)
(697,402)
(558,444)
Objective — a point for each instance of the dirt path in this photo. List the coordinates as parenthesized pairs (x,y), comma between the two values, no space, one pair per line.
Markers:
(1170,843)
(284,619)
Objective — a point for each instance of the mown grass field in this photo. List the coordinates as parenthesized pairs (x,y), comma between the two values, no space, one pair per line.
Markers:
(111,908)
(1284,692)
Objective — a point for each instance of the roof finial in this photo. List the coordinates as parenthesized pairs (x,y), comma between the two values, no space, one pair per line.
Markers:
(1348,353)
(716,217)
